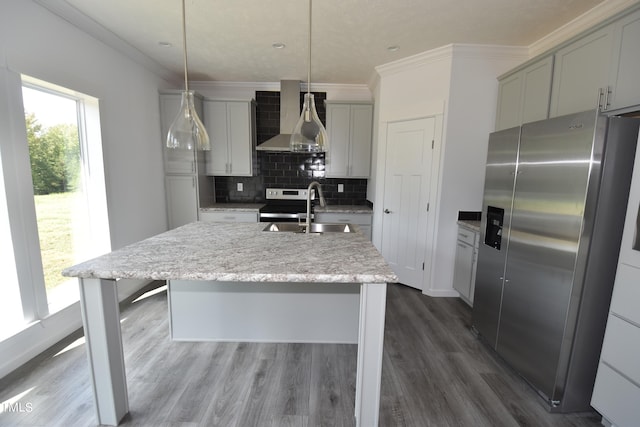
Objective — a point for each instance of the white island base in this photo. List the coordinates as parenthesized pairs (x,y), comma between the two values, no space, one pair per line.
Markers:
(211,310)
(264,312)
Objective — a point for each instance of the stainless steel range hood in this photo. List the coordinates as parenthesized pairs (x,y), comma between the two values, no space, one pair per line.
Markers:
(289,115)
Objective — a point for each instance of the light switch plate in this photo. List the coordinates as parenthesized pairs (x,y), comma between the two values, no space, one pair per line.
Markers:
(240,186)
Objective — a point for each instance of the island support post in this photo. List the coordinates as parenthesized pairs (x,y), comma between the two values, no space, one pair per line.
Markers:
(101,321)
(373,299)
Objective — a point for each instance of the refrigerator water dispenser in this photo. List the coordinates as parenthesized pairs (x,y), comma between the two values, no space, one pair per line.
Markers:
(493,233)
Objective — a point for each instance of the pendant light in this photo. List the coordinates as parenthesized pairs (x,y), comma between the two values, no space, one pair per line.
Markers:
(309,135)
(187,131)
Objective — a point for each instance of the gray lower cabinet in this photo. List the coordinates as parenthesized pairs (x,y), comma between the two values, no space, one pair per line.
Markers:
(362,220)
(524,96)
(182,201)
(464,274)
(349,129)
(228,216)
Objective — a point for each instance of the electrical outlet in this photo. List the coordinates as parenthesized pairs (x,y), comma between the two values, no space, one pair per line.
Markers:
(240,186)
(340,188)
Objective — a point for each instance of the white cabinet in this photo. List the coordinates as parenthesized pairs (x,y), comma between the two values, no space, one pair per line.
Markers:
(229,216)
(626,62)
(349,127)
(231,127)
(597,70)
(581,72)
(182,201)
(524,96)
(601,68)
(186,185)
(464,274)
(362,220)
(616,393)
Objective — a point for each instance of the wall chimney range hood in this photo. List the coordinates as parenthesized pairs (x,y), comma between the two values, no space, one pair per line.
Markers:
(289,115)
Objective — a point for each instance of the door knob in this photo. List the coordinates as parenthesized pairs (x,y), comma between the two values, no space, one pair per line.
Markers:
(387,211)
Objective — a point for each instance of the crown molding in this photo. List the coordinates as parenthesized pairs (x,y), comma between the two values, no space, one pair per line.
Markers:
(73,16)
(414,61)
(471,51)
(598,14)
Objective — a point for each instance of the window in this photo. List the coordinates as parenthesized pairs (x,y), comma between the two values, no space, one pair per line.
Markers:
(66,220)
(11,315)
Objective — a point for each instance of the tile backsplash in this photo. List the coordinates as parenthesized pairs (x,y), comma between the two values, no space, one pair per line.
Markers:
(290,170)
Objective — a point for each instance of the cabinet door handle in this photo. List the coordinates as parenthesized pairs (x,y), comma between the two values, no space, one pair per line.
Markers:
(387,211)
(607,92)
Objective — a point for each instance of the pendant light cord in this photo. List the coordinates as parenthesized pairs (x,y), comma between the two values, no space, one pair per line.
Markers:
(309,69)
(184,46)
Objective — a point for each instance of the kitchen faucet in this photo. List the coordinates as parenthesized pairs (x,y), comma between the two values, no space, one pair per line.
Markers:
(322,202)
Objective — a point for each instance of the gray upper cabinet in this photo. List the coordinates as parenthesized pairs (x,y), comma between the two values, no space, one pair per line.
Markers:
(524,96)
(598,69)
(231,127)
(626,61)
(581,74)
(349,127)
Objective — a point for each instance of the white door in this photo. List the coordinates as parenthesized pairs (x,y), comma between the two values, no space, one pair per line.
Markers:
(406,198)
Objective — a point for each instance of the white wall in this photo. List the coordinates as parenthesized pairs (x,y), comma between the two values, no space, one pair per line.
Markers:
(470,118)
(38,43)
(458,85)
(35,42)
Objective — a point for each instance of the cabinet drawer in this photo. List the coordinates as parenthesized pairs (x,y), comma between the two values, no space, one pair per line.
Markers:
(626,293)
(621,347)
(467,236)
(229,216)
(353,218)
(616,398)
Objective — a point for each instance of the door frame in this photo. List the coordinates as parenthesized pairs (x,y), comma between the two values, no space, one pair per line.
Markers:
(434,191)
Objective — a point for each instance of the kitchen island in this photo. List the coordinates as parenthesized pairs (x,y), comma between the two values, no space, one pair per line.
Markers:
(205,255)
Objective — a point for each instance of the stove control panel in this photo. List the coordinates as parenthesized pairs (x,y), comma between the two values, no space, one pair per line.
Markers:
(288,194)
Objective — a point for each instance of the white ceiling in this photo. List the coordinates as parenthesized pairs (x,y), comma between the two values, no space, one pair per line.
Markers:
(231,40)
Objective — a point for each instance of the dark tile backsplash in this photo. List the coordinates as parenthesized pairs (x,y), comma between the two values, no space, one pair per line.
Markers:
(284,169)
(290,170)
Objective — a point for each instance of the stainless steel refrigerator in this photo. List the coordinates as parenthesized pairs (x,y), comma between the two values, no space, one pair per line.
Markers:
(554,204)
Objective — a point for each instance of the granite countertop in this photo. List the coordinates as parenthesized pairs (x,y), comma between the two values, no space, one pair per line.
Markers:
(473,225)
(242,252)
(343,209)
(254,207)
(240,207)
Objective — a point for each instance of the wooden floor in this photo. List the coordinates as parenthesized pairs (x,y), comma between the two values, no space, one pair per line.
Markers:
(435,373)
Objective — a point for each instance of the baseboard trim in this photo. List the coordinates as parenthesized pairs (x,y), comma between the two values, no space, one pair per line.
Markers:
(445,293)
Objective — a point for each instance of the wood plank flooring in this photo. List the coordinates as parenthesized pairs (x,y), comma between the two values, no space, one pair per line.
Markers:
(435,373)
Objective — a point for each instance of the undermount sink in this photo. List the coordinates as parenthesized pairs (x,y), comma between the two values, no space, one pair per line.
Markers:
(316,227)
